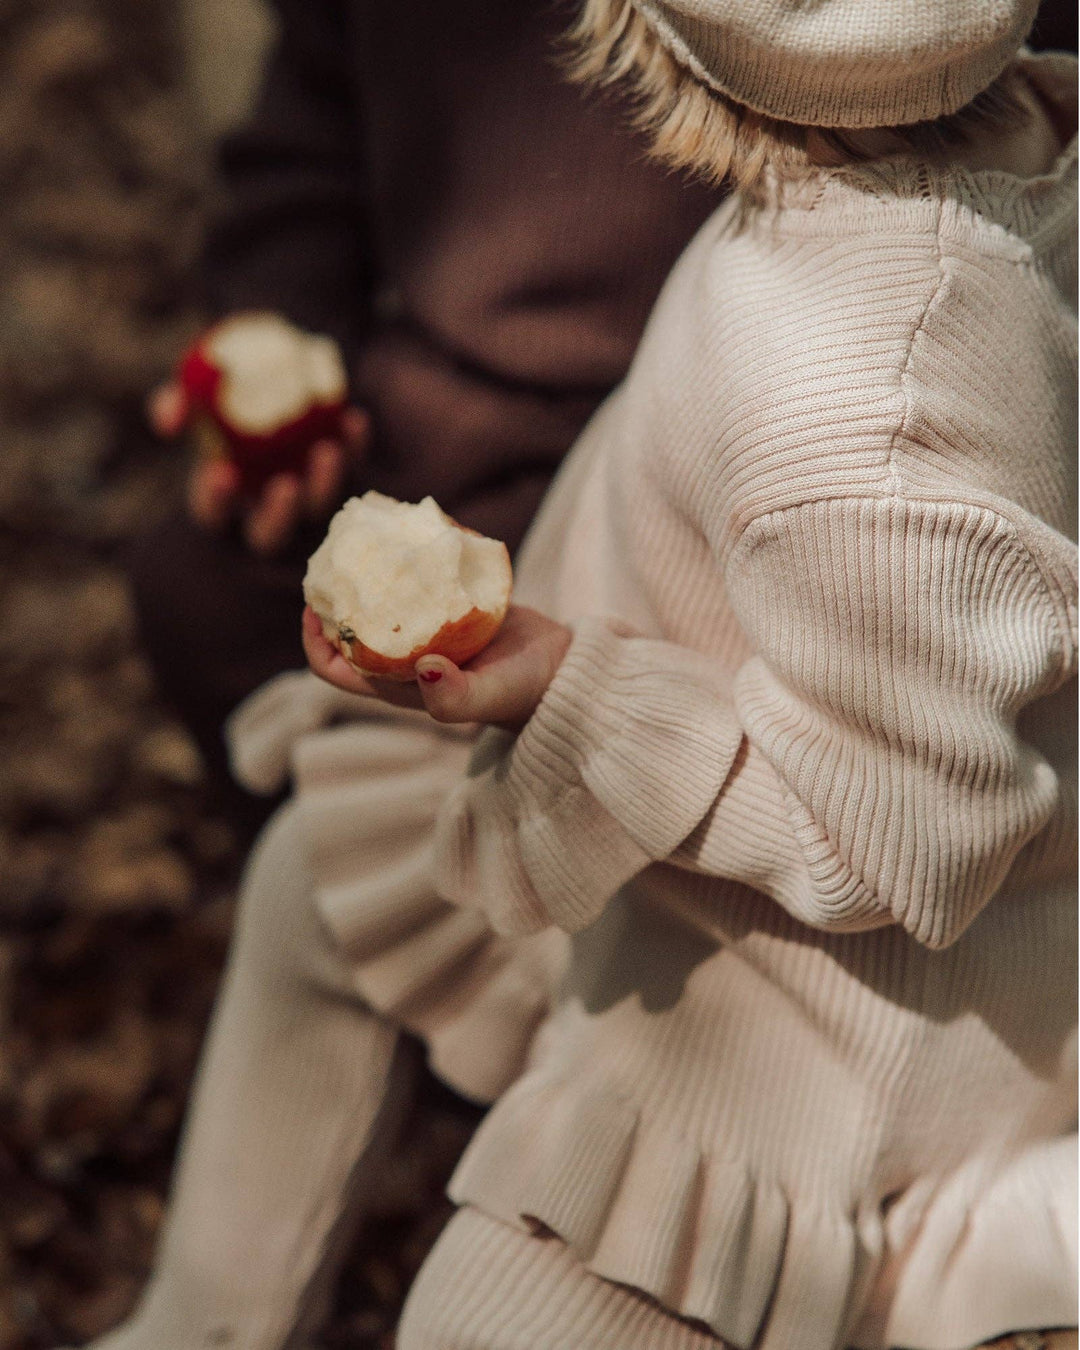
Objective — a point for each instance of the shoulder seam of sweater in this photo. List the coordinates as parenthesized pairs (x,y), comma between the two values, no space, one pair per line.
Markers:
(904,379)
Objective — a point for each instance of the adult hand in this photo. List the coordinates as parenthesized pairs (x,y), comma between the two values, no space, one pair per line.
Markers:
(271,519)
(502,686)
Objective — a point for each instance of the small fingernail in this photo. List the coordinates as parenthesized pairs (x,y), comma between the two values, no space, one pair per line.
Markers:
(430,676)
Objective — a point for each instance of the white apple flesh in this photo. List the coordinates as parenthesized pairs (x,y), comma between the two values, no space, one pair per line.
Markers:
(393,581)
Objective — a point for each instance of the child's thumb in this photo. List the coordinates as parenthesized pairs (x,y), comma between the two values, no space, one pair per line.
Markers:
(444,689)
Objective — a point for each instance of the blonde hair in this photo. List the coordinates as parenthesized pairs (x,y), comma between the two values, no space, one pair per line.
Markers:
(695,127)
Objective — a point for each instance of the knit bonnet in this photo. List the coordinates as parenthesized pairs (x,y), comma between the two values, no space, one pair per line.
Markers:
(844,63)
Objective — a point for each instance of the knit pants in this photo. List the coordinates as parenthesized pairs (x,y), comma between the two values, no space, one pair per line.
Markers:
(297,1092)
(486,1286)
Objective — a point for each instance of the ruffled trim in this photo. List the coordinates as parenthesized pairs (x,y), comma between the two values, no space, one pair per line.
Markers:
(261,732)
(368,783)
(368,794)
(714,1242)
(994,1250)
(703,1235)
(581,801)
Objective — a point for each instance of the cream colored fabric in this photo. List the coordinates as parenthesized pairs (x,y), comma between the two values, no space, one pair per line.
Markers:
(296,1101)
(489,1287)
(340,942)
(844,63)
(804,786)
(367,783)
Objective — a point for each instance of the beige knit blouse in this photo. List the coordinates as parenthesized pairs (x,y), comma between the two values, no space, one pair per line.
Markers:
(804,786)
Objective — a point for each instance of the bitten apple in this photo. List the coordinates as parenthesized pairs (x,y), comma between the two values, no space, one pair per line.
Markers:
(393,582)
(261,392)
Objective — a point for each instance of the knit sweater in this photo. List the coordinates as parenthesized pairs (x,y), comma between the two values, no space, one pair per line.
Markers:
(803,788)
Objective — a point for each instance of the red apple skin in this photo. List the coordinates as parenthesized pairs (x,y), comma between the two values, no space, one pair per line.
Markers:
(258,456)
(459,640)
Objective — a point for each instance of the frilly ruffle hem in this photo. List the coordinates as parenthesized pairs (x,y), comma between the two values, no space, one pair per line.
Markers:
(764,1268)
(368,783)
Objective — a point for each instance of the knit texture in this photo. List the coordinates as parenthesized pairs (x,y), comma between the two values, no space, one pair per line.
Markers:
(844,63)
(296,1104)
(367,783)
(487,1285)
(804,785)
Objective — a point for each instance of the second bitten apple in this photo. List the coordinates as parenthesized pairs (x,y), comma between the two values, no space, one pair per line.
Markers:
(261,392)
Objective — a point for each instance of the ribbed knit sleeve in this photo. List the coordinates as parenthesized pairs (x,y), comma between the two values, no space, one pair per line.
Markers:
(622,759)
(864,768)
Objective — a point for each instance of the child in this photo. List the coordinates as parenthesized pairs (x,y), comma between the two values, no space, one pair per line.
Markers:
(787,743)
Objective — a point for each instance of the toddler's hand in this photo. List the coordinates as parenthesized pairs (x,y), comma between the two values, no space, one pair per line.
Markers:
(501,686)
(268,522)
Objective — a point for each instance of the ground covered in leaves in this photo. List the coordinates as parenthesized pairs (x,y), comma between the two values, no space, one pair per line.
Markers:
(117,872)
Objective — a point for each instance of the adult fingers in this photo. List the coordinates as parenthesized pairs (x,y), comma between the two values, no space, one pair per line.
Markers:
(212,491)
(272,520)
(356,430)
(323,479)
(167,409)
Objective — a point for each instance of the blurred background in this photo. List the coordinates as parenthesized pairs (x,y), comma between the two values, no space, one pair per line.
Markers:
(117,867)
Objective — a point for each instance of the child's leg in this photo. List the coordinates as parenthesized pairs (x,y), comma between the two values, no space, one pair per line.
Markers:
(295,1088)
(487,1286)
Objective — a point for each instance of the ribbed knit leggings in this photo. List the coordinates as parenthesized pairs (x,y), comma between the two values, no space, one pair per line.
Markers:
(300,1088)
(297,1092)
(489,1287)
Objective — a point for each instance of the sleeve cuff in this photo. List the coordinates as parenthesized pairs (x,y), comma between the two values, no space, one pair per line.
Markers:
(625,754)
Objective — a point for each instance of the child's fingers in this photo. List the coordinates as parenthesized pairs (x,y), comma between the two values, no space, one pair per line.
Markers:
(503,684)
(212,491)
(327,662)
(271,522)
(444,688)
(325,659)
(502,694)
